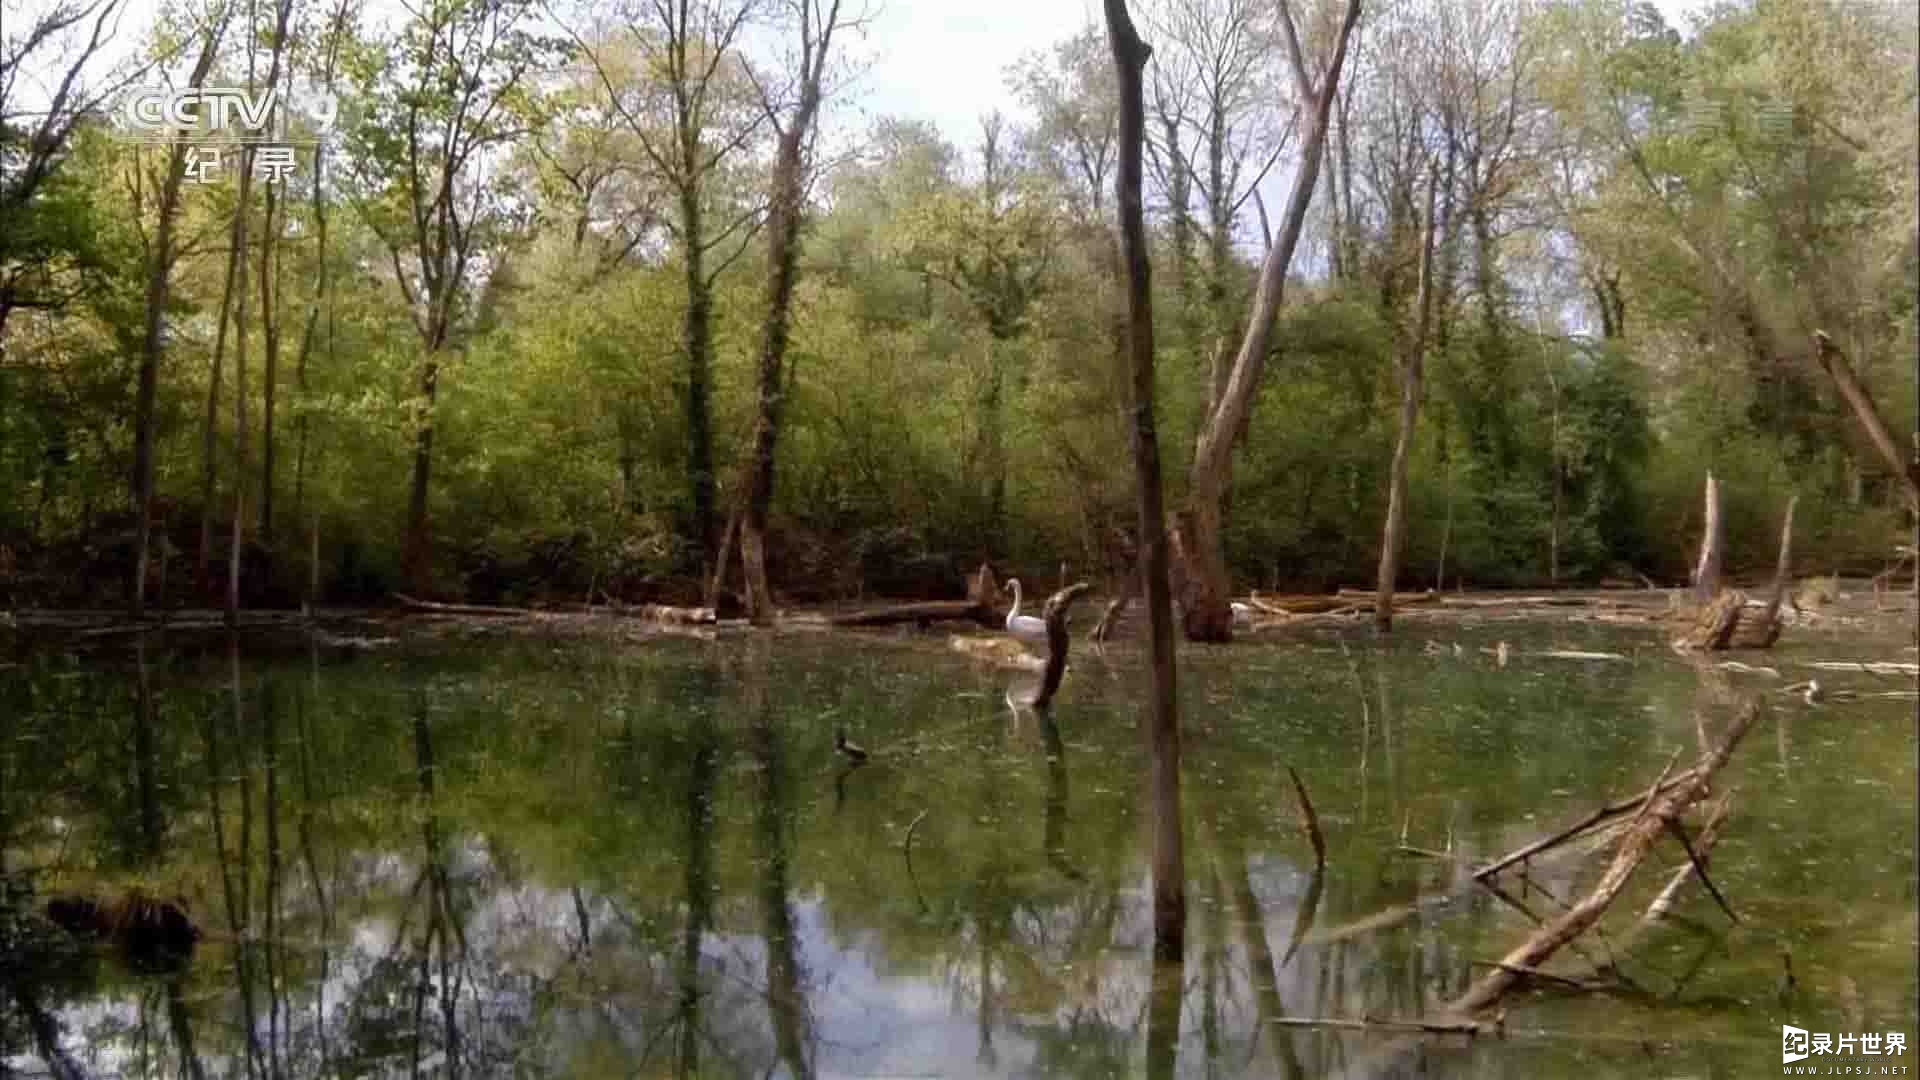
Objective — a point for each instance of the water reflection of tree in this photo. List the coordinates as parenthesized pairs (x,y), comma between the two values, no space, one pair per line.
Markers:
(787,985)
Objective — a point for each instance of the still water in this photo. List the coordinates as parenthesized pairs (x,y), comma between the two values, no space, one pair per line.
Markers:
(546,858)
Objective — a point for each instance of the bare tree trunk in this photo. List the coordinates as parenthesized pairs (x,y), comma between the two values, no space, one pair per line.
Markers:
(1206,591)
(1446,529)
(1394,533)
(697,338)
(783,254)
(208,463)
(1706,570)
(270,334)
(159,284)
(1553,532)
(283,14)
(1834,363)
(239,389)
(1162,722)
(417,550)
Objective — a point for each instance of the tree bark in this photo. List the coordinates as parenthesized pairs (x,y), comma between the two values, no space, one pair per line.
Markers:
(1661,814)
(1834,363)
(1394,533)
(208,437)
(417,553)
(153,344)
(1161,726)
(697,338)
(283,14)
(237,536)
(270,344)
(783,254)
(1706,570)
(1207,615)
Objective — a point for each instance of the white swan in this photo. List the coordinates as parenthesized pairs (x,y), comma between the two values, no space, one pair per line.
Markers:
(1024,627)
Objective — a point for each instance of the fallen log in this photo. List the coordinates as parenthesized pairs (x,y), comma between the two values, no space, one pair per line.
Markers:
(1300,604)
(459,609)
(927,611)
(1659,814)
(1369,596)
(1870,667)
(1599,816)
(1703,845)
(666,613)
(1576,654)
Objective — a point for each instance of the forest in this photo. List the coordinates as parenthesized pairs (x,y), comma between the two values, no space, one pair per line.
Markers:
(563,301)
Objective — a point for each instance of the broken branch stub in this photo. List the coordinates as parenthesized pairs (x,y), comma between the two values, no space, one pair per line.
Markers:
(1058,641)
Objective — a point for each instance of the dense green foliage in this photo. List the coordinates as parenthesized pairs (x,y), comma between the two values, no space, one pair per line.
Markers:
(1629,290)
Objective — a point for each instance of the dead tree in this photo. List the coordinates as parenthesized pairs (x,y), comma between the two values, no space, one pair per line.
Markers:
(1161,725)
(1659,813)
(1726,621)
(1706,569)
(1205,589)
(1058,642)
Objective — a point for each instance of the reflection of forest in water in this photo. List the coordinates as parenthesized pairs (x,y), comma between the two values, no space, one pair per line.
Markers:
(535,860)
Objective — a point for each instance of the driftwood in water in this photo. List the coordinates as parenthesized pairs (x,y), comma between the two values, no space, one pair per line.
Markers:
(1727,621)
(922,612)
(1058,641)
(1309,822)
(660,613)
(459,609)
(1762,630)
(1599,817)
(1659,814)
(667,613)
(1869,667)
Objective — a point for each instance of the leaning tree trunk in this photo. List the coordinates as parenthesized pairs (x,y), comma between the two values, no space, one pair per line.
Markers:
(153,343)
(1394,534)
(1834,363)
(1162,727)
(1706,569)
(1206,586)
(783,252)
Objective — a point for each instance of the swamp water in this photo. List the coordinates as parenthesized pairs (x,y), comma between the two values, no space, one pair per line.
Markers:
(537,858)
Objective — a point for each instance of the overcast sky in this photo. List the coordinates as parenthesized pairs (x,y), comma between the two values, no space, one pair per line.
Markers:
(946,62)
(937,60)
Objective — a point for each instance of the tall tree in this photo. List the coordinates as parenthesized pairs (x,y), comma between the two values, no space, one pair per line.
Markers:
(161,256)
(455,88)
(1161,721)
(818,21)
(243,211)
(679,81)
(1206,586)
